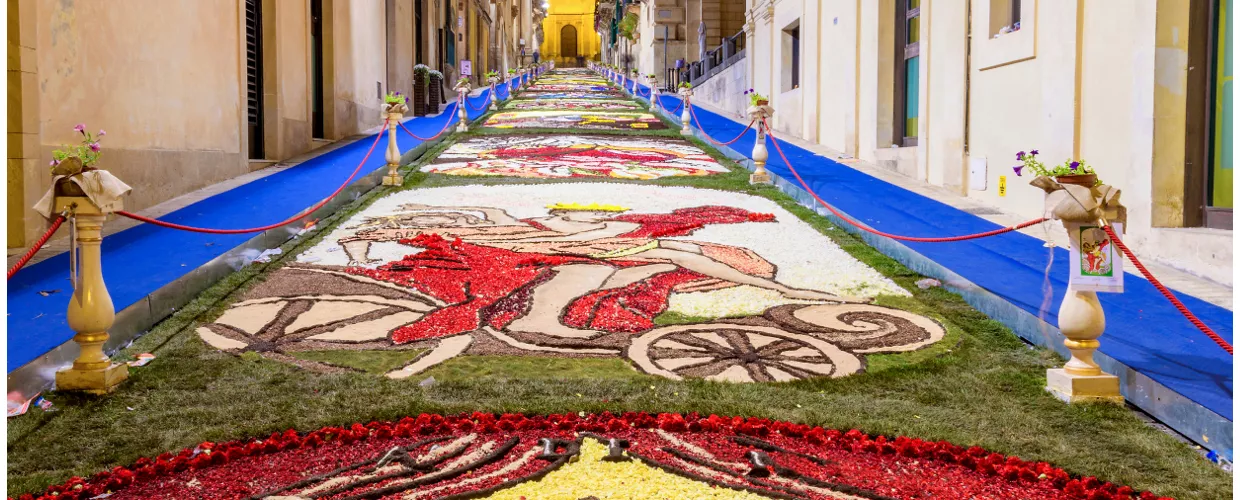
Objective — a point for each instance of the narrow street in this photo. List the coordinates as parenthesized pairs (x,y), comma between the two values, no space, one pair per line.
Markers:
(501,322)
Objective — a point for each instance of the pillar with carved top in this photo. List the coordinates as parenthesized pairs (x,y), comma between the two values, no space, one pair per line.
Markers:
(462,94)
(1081,319)
(90,312)
(393,114)
(760,112)
(685,117)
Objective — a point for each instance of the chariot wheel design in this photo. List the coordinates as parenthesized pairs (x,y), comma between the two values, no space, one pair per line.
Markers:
(738,353)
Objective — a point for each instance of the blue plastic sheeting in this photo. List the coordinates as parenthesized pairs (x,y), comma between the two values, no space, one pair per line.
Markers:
(1144,331)
(142,259)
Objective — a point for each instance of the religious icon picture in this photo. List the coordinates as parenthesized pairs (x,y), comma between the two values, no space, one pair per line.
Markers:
(1096,263)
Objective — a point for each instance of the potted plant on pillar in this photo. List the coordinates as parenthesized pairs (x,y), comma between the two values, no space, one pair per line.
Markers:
(435,92)
(395,103)
(73,160)
(421,76)
(493,79)
(684,89)
(756,99)
(1069,172)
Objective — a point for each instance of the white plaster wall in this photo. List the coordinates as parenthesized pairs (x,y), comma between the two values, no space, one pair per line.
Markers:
(836,62)
(941,126)
(725,90)
(1022,105)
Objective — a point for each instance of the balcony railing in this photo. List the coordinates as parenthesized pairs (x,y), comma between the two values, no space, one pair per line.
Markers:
(729,52)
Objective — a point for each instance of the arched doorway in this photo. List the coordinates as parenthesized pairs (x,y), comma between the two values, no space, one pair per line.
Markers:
(568,42)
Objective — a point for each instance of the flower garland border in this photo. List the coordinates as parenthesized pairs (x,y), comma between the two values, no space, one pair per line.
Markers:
(207,454)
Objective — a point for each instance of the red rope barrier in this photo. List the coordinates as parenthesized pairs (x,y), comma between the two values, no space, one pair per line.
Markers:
(889,235)
(286,222)
(682,104)
(60,219)
(484,103)
(447,123)
(1192,318)
(711,139)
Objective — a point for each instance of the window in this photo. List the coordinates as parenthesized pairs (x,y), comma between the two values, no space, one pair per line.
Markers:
(1208,142)
(791,51)
(907,71)
(1004,17)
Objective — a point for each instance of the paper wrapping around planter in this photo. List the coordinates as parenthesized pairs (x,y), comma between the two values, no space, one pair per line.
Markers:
(760,112)
(1073,203)
(103,188)
(1095,265)
(400,108)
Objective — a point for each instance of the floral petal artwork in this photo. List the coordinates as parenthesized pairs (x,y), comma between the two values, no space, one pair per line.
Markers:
(572,155)
(535,270)
(571,104)
(578,456)
(575,119)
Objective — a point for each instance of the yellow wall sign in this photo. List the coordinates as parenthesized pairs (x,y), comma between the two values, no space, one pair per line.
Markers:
(1002,185)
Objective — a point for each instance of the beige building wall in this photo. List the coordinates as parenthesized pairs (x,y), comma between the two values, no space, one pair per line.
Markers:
(1080,79)
(359,48)
(172,94)
(96,63)
(286,79)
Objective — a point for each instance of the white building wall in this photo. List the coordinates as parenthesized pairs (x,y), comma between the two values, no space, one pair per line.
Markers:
(986,98)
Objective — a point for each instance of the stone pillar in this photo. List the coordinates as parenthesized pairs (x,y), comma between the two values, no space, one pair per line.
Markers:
(685,114)
(494,94)
(760,113)
(393,151)
(654,92)
(760,175)
(90,311)
(462,95)
(1081,319)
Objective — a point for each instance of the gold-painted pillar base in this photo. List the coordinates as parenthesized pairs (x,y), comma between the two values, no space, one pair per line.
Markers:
(97,381)
(763,177)
(393,178)
(1072,388)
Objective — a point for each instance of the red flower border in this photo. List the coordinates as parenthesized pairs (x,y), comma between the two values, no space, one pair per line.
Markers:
(207,454)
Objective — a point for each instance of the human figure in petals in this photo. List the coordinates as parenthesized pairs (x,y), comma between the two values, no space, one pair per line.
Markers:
(577,272)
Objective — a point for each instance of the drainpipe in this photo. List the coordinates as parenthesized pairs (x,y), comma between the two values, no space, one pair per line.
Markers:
(968,95)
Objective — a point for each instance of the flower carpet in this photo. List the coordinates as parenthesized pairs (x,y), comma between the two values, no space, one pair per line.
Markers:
(568,87)
(591,120)
(575,456)
(574,155)
(571,104)
(515,263)
(536,273)
(571,94)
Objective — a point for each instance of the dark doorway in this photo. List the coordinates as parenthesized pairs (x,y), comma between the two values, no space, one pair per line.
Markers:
(254,76)
(316,67)
(568,42)
(1208,139)
(419,56)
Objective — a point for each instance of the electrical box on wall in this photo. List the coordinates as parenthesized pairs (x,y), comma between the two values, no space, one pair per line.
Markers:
(669,16)
(977,173)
